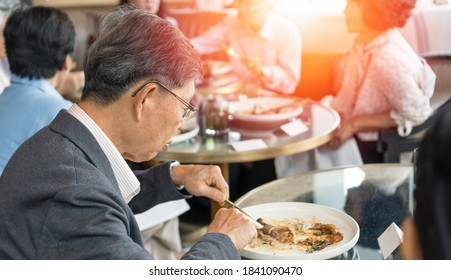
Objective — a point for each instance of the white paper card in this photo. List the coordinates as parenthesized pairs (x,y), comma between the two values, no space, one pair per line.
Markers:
(294,128)
(246,145)
(390,239)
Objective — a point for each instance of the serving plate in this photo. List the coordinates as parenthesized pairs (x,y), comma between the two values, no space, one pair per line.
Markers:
(285,110)
(306,211)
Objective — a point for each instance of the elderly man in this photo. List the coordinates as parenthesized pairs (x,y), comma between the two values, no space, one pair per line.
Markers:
(67,193)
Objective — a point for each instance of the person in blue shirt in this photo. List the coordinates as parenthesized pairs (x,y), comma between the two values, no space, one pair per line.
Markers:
(39,42)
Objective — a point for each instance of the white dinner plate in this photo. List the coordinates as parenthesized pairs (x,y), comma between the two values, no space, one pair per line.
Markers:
(241,116)
(306,211)
(185,136)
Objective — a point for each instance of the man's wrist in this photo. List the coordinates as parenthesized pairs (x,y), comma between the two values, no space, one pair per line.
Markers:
(171,166)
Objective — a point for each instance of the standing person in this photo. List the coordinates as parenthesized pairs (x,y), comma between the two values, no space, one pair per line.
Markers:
(39,43)
(65,192)
(263,47)
(385,84)
(427,235)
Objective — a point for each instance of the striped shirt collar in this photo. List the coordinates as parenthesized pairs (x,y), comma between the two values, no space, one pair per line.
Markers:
(129,185)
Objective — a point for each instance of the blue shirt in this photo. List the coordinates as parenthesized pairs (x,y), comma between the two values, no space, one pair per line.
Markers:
(26,106)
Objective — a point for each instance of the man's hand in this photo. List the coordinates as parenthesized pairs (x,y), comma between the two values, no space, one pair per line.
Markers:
(234,224)
(254,64)
(202,180)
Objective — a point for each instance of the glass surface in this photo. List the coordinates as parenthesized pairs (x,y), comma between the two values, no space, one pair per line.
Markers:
(375,195)
(320,120)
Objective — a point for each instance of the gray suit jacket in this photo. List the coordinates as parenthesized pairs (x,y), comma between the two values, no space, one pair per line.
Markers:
(59,199)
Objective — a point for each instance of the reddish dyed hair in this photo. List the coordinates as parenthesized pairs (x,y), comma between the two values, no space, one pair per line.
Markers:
(386,14)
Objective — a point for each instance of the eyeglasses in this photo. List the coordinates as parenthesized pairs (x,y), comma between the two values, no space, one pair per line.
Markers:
(189,110)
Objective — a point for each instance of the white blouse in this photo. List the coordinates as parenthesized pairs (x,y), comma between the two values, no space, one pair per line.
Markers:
(386,75)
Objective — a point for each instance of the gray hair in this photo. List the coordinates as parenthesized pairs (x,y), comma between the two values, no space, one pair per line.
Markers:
(134,45)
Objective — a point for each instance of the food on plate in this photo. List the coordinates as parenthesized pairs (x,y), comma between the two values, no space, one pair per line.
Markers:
(283,234)
(295,233)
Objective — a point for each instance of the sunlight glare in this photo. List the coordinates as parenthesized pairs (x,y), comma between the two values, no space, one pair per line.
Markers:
(310,6)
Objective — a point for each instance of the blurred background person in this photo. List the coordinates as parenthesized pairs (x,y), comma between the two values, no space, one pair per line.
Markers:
(70,88)
(263,47)
(427,235)
(39,45)
(384,84)
(5,8)
(156,7)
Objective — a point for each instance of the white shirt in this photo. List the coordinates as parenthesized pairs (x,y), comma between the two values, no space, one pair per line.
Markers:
(129,185)
(277,46)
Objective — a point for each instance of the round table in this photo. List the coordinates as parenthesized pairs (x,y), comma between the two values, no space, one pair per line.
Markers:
(320,120)
(375,195)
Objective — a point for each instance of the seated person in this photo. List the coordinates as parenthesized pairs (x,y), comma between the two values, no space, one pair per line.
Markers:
(5,75)
(67,192)
(396,84)
(39,43)
(263,48)
(385,84)
(427,234)
(70,88)
(156,7)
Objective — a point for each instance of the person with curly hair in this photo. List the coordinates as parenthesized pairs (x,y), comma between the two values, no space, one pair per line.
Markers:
(384,84)
(427,234)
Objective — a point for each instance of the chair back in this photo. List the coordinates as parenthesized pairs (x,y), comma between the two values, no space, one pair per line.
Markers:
(390,143)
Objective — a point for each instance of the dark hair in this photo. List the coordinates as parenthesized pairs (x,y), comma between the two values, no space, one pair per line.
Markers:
(386,14)
(133,46)
(37,41)
(432,213)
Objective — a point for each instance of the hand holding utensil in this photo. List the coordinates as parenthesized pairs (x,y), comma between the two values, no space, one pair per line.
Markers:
(252,62)
(232,205)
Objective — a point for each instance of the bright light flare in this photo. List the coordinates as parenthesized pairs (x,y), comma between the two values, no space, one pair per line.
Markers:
(310,6)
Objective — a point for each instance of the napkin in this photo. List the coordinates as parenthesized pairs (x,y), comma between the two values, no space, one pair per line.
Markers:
(390,239)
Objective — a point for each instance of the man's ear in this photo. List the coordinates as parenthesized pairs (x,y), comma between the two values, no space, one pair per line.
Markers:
(68,64)
(143,100)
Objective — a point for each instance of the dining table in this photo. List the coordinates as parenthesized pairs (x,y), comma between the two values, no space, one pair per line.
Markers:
(317,120)
(374,195)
